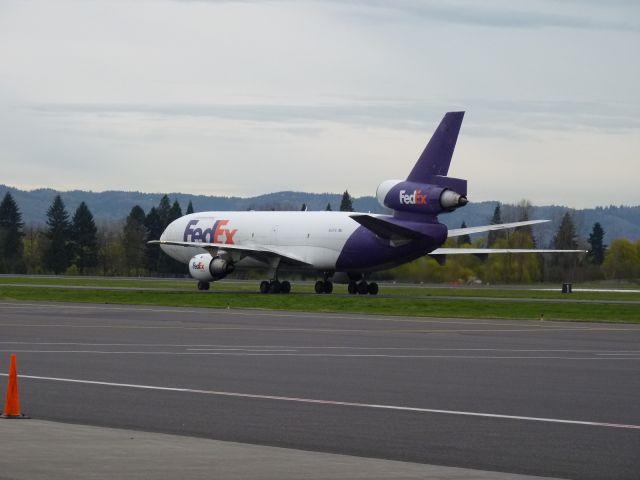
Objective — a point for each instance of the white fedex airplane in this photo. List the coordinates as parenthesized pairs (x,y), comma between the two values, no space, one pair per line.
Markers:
(340,245)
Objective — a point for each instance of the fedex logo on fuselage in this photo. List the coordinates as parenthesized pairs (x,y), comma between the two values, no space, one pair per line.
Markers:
(415,198)
(216,234)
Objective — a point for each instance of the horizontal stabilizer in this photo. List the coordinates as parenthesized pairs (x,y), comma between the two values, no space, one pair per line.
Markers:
(458,232)
(483,251)
(385,229)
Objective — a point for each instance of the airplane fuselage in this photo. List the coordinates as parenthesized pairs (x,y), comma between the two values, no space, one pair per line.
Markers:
(325,241)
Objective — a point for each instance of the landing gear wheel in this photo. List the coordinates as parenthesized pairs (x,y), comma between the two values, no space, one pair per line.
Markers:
(327,286)
(373,288)
(319,287)
(285,287)
(275,286)
(352,288)
(363,288)
(265,287)
(203,285)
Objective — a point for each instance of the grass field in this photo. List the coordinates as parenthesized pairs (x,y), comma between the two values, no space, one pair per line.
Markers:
(484,302)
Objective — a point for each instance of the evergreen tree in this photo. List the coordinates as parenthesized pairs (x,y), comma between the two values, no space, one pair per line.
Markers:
(495,235)
(59,252)
(11,234)
(168,264)
(85,241)
(164,211)
(464,239)
(303,208)
(153,225)
(189,208)
(175,212)
(346,204)
(596,240)
(328,209)
(565,238)
(134,236)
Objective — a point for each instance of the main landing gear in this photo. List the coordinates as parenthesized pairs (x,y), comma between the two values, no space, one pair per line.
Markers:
(324,286)
(362,288)
(275,286)
(203,285)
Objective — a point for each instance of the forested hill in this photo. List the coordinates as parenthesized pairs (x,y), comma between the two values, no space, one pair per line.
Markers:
(617,221)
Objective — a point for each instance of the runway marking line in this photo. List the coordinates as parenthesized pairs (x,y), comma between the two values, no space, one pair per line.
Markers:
(335,403)
(275,348)
(326,330)
(288,353)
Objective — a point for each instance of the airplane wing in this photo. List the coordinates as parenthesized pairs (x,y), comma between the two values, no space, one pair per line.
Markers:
(259,252)
(457,232)
(482,251)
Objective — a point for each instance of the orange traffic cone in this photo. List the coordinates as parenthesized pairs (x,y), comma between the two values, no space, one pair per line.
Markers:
(12,402)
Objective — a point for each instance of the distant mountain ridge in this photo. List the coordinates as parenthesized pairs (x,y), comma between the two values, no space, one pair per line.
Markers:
(617,221)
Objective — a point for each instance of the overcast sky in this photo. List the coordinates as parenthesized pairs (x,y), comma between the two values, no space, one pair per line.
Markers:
(250,97)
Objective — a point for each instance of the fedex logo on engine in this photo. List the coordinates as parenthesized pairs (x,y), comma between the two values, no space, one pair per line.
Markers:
(197,265)
(216,234)
(415,198)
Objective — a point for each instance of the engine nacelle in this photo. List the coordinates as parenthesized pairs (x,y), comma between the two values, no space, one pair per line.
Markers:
(207,268)
(413,197)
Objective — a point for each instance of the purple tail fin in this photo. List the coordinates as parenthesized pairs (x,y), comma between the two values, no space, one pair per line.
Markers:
(437,154)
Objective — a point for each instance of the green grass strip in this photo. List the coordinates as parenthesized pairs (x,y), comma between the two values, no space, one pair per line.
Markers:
(307,287)
(428,307)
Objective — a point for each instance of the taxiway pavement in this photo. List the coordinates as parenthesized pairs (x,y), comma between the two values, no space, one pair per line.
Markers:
(538,398)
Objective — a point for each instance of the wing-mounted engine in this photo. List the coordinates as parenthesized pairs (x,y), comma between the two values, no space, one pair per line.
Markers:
(423,198)
(206,268)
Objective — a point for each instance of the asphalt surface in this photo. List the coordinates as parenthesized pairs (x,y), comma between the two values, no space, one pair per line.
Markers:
(537,398)
(39,449)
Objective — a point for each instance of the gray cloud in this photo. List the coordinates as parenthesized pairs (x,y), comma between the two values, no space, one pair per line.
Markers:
(500,13)
(499,118)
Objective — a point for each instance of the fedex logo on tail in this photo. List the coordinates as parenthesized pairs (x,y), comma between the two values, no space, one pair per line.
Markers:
(415,198)
(216,234)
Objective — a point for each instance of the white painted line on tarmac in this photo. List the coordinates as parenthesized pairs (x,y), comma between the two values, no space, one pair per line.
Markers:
(233,350)
(335,403)
(267,353)
(619,353)
(208,346)
(443,331)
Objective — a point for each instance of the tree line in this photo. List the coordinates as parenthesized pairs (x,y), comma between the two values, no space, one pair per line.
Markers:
(620,260)
(75,244)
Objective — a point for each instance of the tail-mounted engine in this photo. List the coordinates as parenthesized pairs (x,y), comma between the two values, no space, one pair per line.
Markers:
(421,198)
(207,268)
